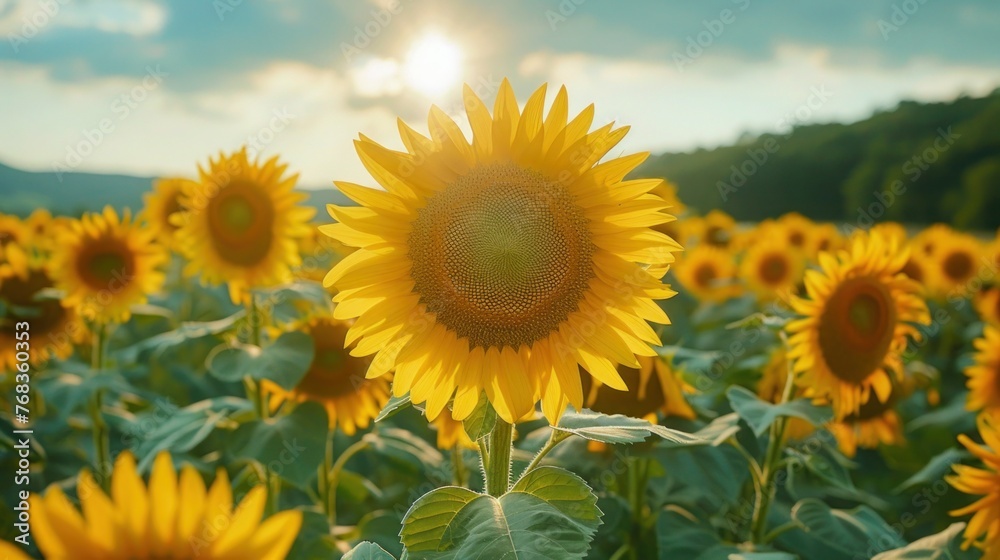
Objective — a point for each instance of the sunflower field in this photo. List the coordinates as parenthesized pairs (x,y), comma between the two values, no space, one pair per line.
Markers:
(510,345)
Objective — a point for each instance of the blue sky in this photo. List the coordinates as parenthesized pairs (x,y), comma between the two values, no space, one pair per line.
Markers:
(154,87)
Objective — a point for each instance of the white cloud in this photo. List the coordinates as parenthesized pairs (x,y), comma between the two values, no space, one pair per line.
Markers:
(29,18)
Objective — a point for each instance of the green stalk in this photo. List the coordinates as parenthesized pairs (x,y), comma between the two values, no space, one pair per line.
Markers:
(101,436)
(555,437)
(498,466)
(458,466)
(333,479)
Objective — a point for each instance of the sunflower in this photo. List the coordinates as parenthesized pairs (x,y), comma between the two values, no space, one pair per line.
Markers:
(875,423)
(106,265)
(501,264)
(655,387)
(451,433)
(674,229)
(891,231)
(772,269)
(716,229)
(983,530)
(988,305)
(13,230)
(708,273)
(984,373)
(798,231)
(771,388)
(335,379)
(176,517)
(927,241)
(956,260)
(858,315)
(240,224)
(163,202)
(826,238)
(54,328)
(921,269)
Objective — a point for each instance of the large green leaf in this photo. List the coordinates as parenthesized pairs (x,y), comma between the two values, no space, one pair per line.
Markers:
(945,545)
(550,513)
(480,423)
(180,335)
(368,551)
(855,533)
(760,414)
(165,427)
(285,361)
(404,447)
(616,428)
(291,445)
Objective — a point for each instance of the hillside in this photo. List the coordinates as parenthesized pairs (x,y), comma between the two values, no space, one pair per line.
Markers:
(847,171)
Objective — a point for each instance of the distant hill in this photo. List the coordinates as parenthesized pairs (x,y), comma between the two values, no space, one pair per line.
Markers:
(901,164)
(74,193)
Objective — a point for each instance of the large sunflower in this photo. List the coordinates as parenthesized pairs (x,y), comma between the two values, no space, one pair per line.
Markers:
(161,203)
(175,517)
(772,269)
(241,222)
(501,264)
(708,273)
(54,328)
(858,315)
(336,379)
(983,530)
(106,265)
(652,388)
(957,262)
(984,373)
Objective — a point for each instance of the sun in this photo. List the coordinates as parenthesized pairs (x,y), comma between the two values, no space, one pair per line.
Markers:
(432,65)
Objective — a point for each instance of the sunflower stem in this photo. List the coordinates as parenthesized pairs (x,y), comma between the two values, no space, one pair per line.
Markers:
(555,437)
(101,437)
(458,465)
(775,448)
(498,466)
(333,478)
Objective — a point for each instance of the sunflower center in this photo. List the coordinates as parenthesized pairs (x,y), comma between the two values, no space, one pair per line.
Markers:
(106,264)
(856,328)
(958,266)
(5,238)
(241,223)
(716,236)
(501,256)
(797,238)
(704,275)
(333,372)
(774,269)
(20,295)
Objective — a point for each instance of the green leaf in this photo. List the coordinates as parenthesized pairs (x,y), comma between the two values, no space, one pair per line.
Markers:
(392,407)
(285,361)
(480,423)
(291,445)
(855,533)
(760,414)
(178,336)
(368,551)
(616,428)
(680,535)
(405,447)
(550,513)
(178,430)
(714,433)
(935,469)
(945,545)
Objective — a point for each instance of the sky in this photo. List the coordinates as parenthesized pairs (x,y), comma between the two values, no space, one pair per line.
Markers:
(155,87)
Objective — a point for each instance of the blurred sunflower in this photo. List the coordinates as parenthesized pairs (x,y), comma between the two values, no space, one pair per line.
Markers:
(105,265)
(40,225)
(921,269)
(927,240)
(240,224)
(984,373)
(54,328)
(956,259)
(451,433)
(892,231)
(983,530)
(335,379)
(163,202)
(858,315)
(826,238)
(875,423)
(708,273)
(771,388)
(655,387)
(504,263)
(798,231)
(772,269)
(13,230)
(716,229)
(988,305)
(175,517)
